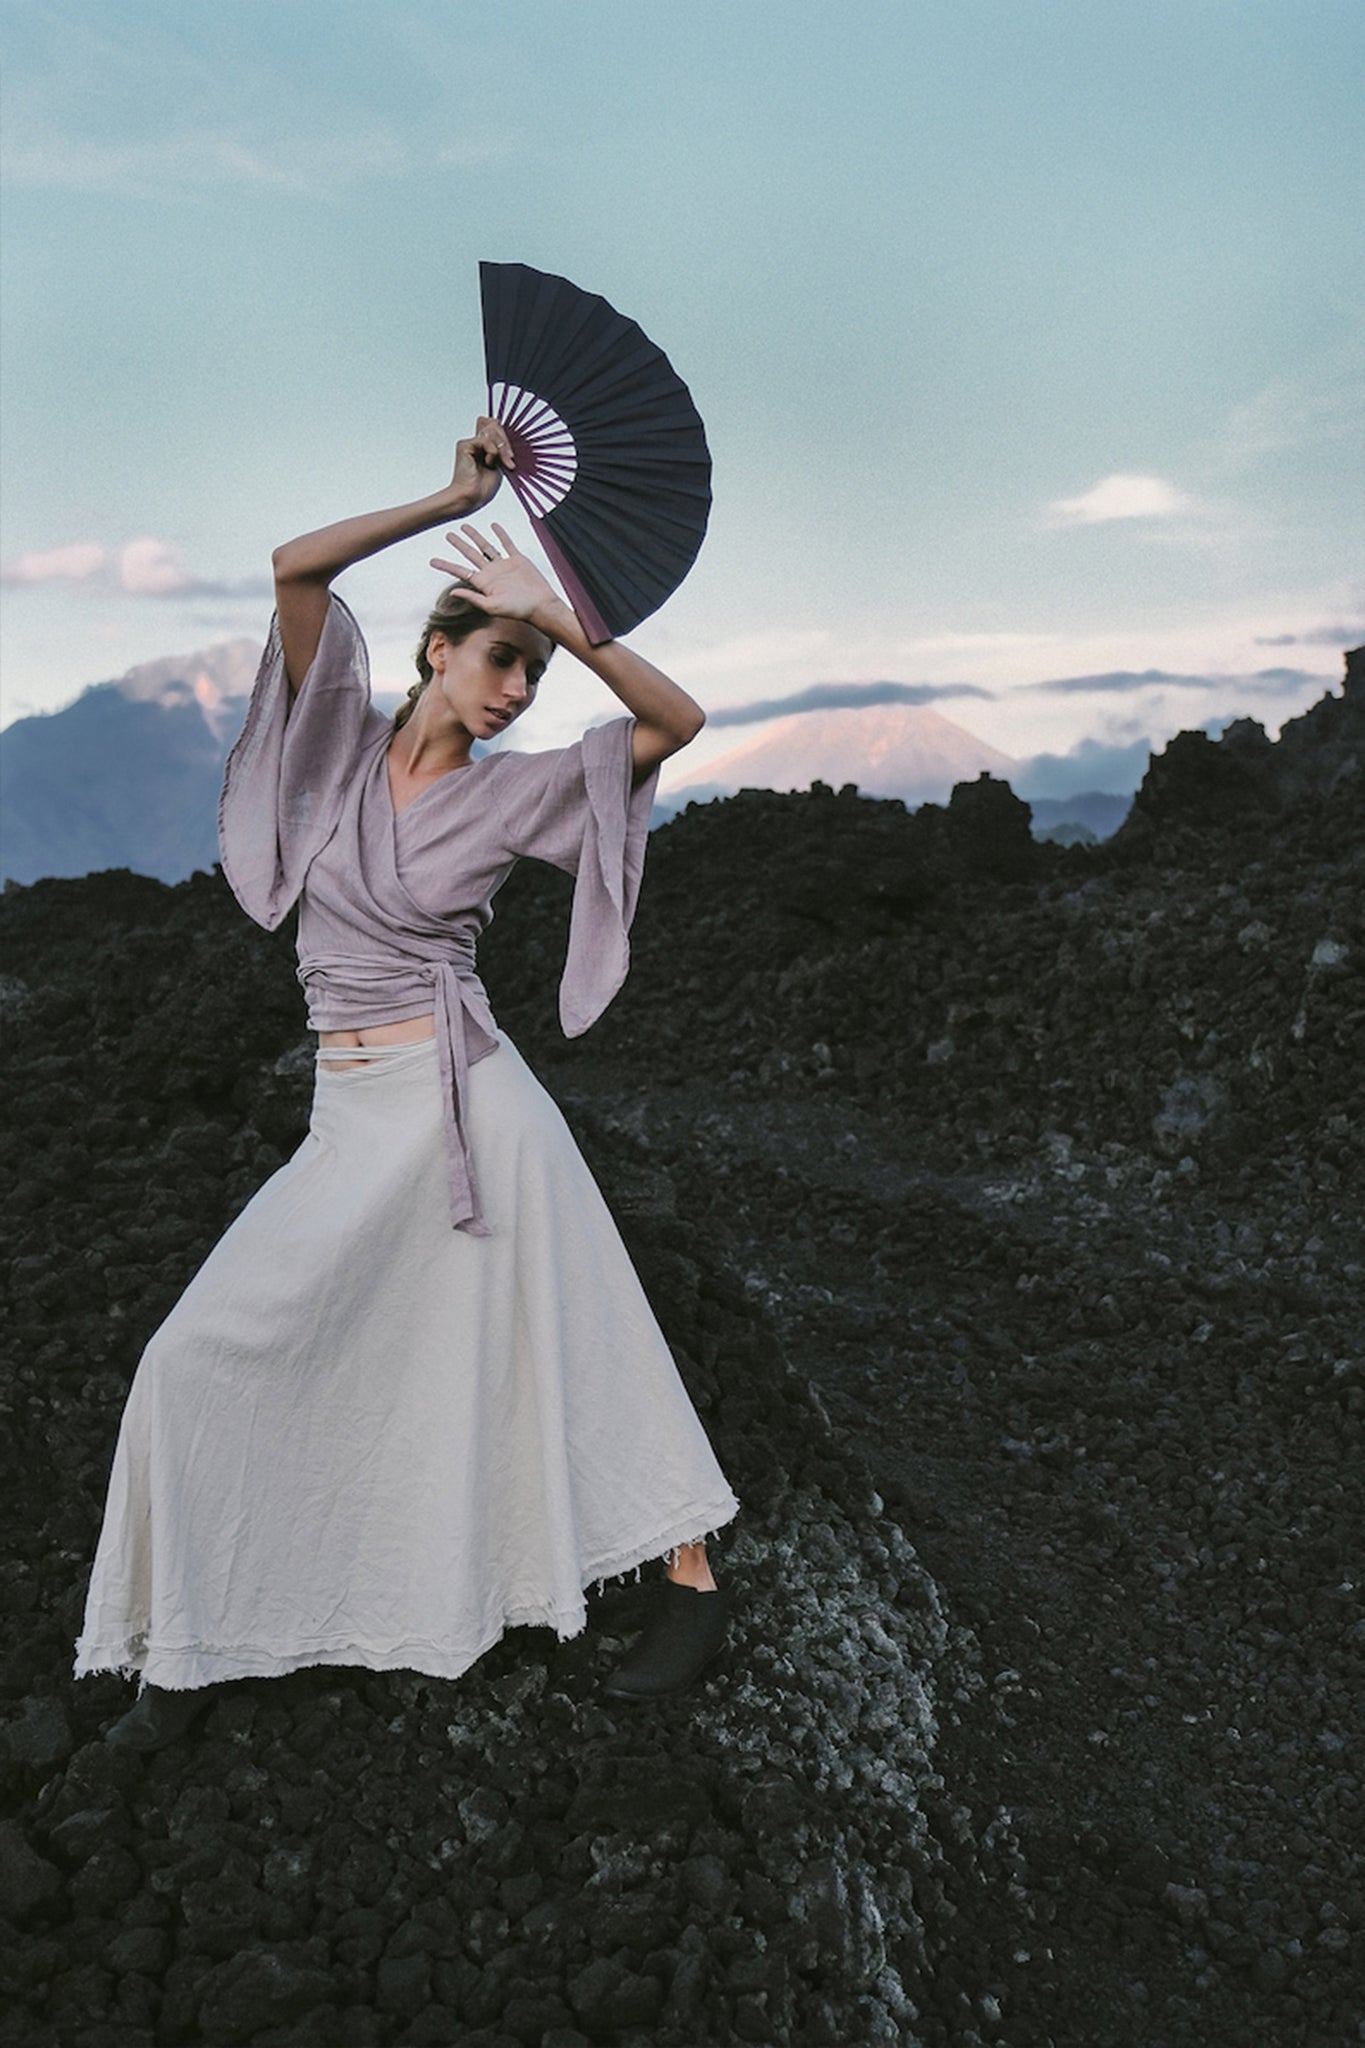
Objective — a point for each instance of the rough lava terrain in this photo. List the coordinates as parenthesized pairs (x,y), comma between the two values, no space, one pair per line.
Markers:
(1002,1203)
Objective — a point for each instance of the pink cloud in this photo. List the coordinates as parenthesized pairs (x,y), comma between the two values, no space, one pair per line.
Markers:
(153,568)
(74,563)
(145,567)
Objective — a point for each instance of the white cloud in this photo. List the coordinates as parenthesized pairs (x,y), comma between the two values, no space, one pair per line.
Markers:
(70,564)
(1119,497)
(153,568)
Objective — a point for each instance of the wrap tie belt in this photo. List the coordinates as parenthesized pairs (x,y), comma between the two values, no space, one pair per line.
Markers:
(361,975)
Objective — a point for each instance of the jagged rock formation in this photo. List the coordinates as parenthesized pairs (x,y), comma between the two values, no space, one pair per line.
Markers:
(1241,778)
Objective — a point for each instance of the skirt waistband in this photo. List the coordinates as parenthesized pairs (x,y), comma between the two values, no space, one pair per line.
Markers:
(376,1053)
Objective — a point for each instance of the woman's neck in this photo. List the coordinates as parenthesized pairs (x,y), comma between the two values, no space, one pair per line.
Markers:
(432,741)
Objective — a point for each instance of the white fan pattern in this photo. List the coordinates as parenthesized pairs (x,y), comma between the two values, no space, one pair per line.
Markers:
(546,457)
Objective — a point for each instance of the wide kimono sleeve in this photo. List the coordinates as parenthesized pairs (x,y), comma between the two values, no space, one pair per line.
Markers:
(579,809)
(285,777)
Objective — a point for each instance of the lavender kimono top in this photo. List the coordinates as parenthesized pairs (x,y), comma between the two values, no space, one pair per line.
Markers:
(390,906)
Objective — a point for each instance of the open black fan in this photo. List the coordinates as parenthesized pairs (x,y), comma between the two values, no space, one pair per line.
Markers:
(612,464)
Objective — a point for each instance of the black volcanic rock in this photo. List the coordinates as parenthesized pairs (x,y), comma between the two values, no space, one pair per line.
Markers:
(1005,1220)
(1241,779)
(392,1844)
(1197,780)
(1325,748)
(988,830)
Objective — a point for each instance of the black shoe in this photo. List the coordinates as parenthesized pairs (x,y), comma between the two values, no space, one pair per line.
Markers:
(160,1717)
(686,1631)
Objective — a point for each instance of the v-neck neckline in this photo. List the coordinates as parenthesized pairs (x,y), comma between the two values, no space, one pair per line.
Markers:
(397,811)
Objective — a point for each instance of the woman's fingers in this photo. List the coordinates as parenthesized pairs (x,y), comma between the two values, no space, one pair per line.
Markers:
(479,556)
(460,574)
(481,461)
(491,436)
(508,584)
(472,558)
(476,547)
(478,551)
(505,586)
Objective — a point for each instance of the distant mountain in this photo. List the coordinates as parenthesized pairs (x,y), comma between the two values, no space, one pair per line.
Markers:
(1100,813)
(899,750)
(128,775)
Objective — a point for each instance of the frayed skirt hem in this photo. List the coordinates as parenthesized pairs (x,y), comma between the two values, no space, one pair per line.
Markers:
(191,1666)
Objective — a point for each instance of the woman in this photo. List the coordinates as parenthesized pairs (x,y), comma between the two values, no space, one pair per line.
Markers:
(415,1395)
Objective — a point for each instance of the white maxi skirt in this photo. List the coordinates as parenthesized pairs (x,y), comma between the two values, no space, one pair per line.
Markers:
(363,1437)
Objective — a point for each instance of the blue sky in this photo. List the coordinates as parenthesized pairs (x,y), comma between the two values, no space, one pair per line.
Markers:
(1028,337)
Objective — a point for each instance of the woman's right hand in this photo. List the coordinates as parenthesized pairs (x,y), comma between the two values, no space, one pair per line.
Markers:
(479,464)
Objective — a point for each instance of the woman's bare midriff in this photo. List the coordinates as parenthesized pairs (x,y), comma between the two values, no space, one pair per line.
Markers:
(407,1033)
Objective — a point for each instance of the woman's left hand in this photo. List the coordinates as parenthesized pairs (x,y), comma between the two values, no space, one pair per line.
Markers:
(507,585)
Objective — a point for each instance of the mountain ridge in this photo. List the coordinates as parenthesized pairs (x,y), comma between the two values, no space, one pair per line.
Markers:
(910,751)
(128,774)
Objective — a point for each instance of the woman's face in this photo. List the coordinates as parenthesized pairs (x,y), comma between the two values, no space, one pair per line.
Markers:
(489,678)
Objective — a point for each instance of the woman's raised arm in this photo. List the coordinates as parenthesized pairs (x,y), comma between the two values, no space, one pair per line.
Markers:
(304,568)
